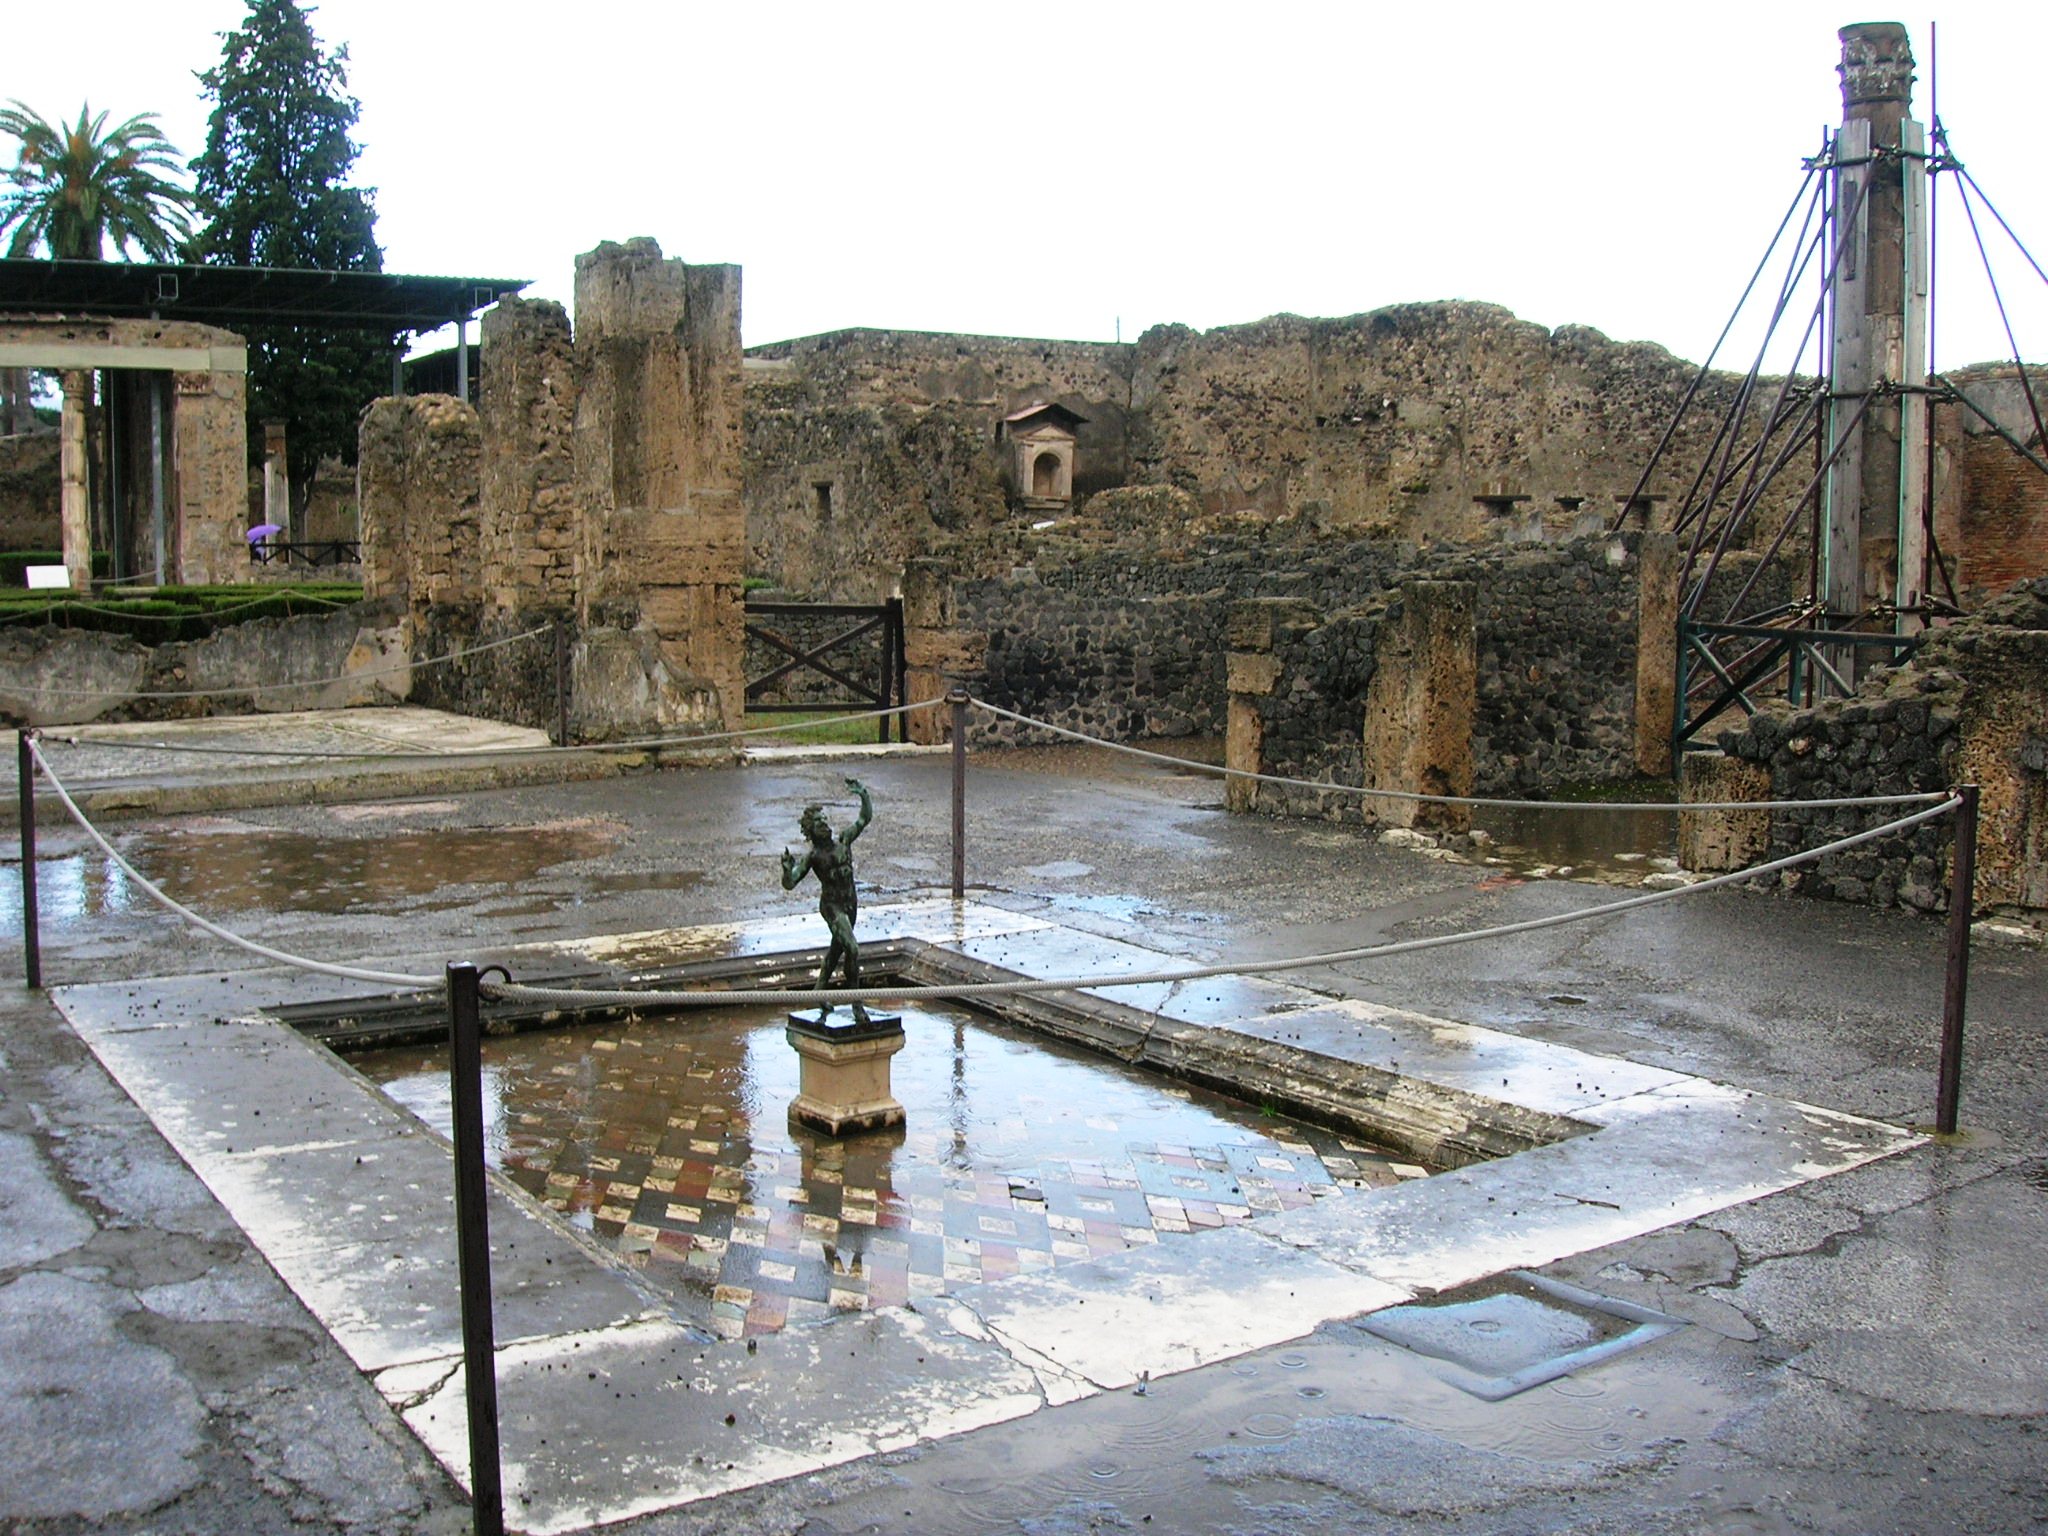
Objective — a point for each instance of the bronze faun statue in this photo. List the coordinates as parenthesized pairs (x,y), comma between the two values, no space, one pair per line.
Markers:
(831,860)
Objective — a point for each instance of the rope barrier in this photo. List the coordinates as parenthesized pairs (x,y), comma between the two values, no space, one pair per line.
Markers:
(1922,798)
(598,997)
(638,745)
(694,999)
(323,682)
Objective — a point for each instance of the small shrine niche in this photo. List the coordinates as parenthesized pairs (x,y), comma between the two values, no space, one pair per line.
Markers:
(1040,461)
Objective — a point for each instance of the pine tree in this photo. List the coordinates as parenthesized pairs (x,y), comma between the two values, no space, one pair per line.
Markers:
(273,186)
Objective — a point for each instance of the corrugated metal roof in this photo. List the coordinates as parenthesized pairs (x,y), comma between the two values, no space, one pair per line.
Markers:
(231,296)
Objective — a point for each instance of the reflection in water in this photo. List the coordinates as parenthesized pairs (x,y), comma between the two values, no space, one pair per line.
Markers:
(668,1139)
(267,869)
(1587,839)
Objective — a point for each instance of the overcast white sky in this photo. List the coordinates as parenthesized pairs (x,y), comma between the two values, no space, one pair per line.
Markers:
(1065,171)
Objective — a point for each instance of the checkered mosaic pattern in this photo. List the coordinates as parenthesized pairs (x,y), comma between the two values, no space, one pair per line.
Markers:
(661,1142)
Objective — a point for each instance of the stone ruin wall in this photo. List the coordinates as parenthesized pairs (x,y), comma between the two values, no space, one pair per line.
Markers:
(865,448)
(1128,631)
(594,490)
(1971,706)
(1385,425)
(355,656)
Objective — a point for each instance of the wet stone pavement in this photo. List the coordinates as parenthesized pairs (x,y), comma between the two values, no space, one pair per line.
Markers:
(668,1141)
(1864,1354)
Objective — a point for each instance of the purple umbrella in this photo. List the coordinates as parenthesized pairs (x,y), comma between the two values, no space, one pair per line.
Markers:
(263,531)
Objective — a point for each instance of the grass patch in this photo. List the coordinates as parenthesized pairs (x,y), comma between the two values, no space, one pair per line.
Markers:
(1637,791)
(822,729)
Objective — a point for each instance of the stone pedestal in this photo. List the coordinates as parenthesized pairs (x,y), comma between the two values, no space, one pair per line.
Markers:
(845,1085)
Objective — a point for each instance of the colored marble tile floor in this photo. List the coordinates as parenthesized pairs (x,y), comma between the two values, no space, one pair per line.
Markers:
(667,1139)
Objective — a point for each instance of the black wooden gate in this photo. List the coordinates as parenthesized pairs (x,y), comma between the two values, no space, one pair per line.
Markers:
(819,658)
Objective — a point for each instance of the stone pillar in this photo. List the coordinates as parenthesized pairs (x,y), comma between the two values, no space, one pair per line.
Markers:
(1715,842)
(209,477)
(1420,704)
(277,486)
(1252,671)
(1656,652)
(658,456)
(531,518)
(74,492)
(936,655)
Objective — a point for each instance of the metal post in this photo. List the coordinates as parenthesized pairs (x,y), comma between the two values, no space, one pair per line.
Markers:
(561,682)
(900,672)
(156,469)
(1962,896)
(886,683)
(462,358)
(25,799)
(473,1250)
(957,697)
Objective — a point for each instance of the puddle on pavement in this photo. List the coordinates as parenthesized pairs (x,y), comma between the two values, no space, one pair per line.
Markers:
(1589,840)
(668,1140)
(1242,1445)
(239,868)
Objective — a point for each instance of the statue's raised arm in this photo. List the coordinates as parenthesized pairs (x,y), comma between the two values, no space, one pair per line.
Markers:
(867,810)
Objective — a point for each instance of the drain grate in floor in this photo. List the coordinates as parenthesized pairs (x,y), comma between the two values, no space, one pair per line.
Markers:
(1516,1331)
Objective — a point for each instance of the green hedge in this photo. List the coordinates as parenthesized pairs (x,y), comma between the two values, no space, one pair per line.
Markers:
(173,613)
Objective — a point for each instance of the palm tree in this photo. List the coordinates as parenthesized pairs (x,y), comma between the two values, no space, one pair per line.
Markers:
(76,186)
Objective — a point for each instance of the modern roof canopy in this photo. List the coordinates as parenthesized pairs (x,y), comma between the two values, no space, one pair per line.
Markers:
(231,296)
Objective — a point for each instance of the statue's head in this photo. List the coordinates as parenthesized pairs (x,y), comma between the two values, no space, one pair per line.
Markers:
(814,824)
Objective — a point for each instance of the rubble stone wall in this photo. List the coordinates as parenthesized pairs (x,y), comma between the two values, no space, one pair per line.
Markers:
(1970,706)
(1132,642)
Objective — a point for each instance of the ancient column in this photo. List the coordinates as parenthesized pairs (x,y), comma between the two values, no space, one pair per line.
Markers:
(1874,548)
(74,488)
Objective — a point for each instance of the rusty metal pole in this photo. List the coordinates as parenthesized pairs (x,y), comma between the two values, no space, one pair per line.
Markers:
(1962,891)
(473,1250)
(898,664)
(561,682)
(25,800)
(957,697)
